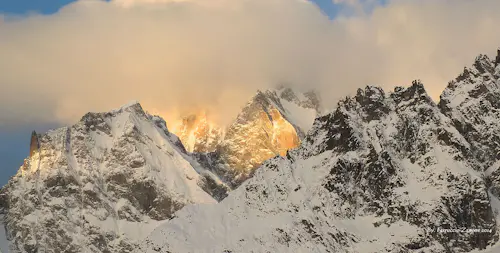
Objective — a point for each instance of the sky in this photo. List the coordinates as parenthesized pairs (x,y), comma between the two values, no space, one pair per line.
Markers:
(28,6)
(61,59)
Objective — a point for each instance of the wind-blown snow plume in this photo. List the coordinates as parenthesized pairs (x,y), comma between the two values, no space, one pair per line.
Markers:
(177,56)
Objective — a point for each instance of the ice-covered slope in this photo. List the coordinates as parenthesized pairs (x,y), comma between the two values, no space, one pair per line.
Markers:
(271,123)
(101,185)
(382,173)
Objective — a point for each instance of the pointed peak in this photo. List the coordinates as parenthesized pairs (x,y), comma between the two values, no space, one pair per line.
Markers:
(303,97)
(416,88)
(483,64)
(463,76)
(417,82)
(482,57)
(370,92)
(266,96)
(372,100)
(313,100)
(288,94)
(132,106)
(261,96)
(415,92)
(34,144)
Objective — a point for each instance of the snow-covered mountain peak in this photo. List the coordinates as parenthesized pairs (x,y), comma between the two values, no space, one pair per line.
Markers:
(282,105)
(103,183)
(483,66)
(125,118)
(472,100)
(359,183)
(131,105)
(481,59)
(383,172)
(272,122)
(368,105)
(483,70)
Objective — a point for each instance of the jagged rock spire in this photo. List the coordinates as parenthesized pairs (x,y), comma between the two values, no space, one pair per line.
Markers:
(34,144)
(497,59)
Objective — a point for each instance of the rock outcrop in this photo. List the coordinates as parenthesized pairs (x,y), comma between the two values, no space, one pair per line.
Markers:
(34,144)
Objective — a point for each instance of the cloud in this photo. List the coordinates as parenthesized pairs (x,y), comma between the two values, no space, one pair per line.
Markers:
(178,56)
(132,3)
(430,40)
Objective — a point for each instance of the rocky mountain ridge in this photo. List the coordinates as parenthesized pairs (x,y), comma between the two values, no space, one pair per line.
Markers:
(382,173)
(270,124)
(106,182)
(101,185)
(472,101)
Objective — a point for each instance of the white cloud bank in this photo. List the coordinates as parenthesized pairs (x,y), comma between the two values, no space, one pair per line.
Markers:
(175,56)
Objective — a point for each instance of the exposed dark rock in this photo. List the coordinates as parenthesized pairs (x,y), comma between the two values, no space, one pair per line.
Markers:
(34,144)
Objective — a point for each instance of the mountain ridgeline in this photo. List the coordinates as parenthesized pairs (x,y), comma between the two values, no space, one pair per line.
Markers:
(383,172)
(106,182)
(101,184)
(270,124)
